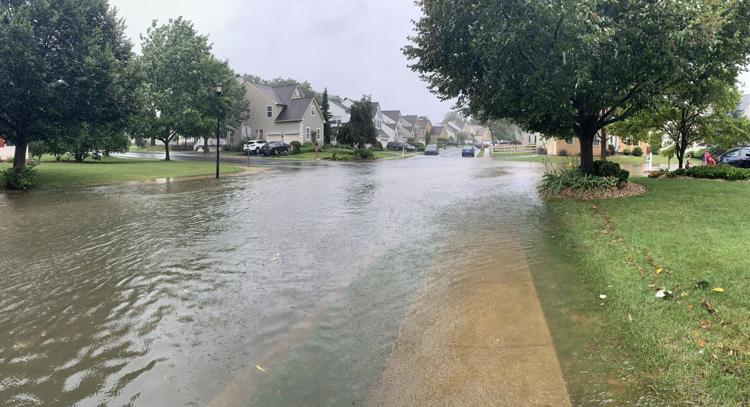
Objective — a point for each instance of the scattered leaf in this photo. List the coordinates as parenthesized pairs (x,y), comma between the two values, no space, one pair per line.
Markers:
(603,297)
(718,290)
(630,318)
(260,368)
(711,310)
(659,271)
(701,343)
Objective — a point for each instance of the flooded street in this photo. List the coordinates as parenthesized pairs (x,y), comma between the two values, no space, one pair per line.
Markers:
(392,283)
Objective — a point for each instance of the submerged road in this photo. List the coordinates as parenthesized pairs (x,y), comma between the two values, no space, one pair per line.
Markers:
(402,282)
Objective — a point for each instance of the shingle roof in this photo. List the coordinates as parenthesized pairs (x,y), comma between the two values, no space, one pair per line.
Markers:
(293,109)
(437,130)
(393,114)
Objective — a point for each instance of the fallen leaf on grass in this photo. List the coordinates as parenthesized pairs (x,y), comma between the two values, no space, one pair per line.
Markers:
(718,290)
(701,343)
(711,310)
(630,318)
(260,368)
(659,271)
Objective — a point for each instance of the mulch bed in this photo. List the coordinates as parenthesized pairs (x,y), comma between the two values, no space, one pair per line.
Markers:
(629,189)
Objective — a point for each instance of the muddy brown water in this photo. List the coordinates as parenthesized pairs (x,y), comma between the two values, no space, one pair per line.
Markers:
(393,283)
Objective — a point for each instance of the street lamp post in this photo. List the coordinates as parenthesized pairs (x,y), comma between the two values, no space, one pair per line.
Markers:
(219,91)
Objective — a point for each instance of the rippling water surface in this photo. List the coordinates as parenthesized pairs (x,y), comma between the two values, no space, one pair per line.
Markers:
(286,288)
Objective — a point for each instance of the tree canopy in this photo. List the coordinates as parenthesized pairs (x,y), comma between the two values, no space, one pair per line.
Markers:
(62,63)
(177,68)
(360,130)
(570,68)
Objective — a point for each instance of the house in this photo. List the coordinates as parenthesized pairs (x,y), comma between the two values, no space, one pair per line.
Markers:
(555,146)
(480,133)
(438,132)
(283,113)
(8,151)
(744,107)
(453,128)
(392,125)
(422,128)
(526,138)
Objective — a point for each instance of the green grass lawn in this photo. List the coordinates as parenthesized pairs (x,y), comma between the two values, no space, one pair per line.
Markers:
(554,159)
(52,174)
(632,344)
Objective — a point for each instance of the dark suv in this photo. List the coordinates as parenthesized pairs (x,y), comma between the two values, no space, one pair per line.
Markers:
(738,157)
(275,148)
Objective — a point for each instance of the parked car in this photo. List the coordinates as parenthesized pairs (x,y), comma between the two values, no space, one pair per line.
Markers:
(275,148)
(393,146)
(468,151)
(409,147)
(254,146)
(738,157)
(431,149)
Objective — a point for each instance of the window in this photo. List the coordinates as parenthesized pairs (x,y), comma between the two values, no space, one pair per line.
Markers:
(269,111)
(307,133)
(317,135)
(260,134)
(312,111)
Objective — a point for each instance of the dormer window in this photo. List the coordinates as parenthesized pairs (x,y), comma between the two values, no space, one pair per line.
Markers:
(312,112)
(269,111)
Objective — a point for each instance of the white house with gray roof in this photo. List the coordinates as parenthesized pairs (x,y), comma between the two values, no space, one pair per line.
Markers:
(282,113)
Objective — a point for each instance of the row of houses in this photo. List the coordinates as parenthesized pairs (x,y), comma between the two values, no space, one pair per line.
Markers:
(557,146)
(285,113)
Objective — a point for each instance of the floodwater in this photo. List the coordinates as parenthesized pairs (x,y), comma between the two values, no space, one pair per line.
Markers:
(394,283)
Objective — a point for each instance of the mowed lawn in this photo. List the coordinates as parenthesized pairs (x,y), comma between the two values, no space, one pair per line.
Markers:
(616,339)
(64,174)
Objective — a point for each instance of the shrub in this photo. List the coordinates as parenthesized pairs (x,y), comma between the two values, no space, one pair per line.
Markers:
(698,154)
(295,147)
(377,146)
(541,151)
(563,152)
(418,145)
(364,154)
(22,180)
(726,172)
(611,149)
(338,156)
(637,152)
(556,181)
(626,151)
(610,169)
(140,142)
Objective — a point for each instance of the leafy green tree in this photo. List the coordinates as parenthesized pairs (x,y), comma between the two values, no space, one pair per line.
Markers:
(360,130)
(461,137)
(232,106)
(62,63)
(177,70)
(325,108)
(688,113)
(451,116)
(569,68)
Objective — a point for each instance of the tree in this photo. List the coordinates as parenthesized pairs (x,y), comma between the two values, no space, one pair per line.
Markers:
(688,113)
(461,137)
(451,116)
(571,68)
(360,130)
(177,68)
(325,108)
(62,63)
(232,106)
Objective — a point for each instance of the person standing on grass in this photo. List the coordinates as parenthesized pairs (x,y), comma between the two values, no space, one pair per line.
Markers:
(317,151)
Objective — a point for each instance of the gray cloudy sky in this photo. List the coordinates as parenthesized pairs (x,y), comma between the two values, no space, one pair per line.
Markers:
(352,47)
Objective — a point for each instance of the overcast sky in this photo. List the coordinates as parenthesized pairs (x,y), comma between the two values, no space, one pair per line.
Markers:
(352,47)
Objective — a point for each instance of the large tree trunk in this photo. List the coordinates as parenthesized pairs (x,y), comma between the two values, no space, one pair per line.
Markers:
(166,150)
(586,134)
(19,158)
(205,144)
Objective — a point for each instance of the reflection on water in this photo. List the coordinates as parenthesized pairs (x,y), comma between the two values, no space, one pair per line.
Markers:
(171,294)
